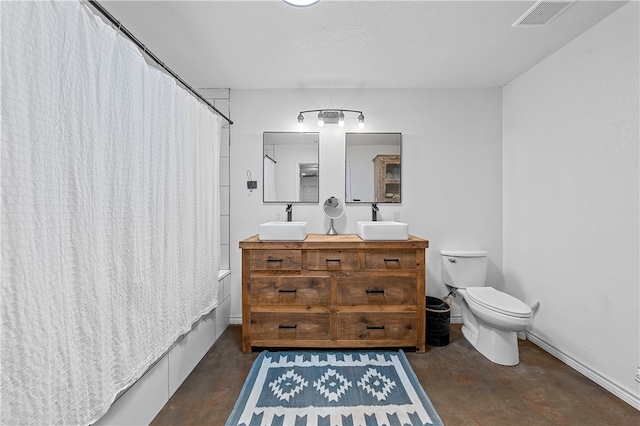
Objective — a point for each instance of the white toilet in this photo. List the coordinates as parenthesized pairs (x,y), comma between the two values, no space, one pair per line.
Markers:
(491,319)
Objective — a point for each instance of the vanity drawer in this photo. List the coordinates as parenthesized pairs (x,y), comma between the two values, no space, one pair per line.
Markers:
(396,326)
(390,259)
(333,260)
(289,290)
(290,326)
(368,289)
(276,260)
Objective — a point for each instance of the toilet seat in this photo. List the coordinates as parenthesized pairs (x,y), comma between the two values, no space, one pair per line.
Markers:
(497,301)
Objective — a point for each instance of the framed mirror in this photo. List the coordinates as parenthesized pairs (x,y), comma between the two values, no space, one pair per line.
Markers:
(373,167)
(290,172)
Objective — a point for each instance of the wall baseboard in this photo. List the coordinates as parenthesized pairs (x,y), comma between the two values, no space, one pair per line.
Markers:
(596,377)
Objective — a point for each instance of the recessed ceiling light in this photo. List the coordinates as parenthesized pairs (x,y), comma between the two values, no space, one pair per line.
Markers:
(301,3)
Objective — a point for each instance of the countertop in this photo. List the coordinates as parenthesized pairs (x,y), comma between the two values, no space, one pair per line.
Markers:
(324,241)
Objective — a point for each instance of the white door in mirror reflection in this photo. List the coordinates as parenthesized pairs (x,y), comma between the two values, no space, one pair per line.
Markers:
(308,182)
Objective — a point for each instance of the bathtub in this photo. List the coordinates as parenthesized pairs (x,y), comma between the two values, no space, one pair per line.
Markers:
(144,399)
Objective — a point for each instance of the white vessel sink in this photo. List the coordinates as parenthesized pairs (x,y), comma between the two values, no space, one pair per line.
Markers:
(383,230)
(283,231)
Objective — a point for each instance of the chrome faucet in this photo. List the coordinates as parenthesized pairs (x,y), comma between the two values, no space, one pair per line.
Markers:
(289,211)
(374,211)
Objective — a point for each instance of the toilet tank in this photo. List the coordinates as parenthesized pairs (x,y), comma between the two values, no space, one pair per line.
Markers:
(464,268)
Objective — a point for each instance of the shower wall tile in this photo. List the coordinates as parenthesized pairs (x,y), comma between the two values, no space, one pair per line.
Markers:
(224,146)
(224,230)
(224,171)
(224,200)
(222,105)
(212,94)
(219,98)
(224,256)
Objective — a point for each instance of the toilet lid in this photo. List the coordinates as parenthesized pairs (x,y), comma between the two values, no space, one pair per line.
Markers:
(498,301)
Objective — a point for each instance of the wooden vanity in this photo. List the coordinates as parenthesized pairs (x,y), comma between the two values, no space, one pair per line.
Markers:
(333,291)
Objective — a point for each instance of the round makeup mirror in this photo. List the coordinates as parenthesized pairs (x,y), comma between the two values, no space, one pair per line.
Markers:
(333,209)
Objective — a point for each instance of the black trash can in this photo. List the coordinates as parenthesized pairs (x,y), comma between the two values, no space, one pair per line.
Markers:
(438,323)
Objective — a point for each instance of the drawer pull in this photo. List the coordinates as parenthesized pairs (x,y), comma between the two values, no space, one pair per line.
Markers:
(282,290)
(271,259)
(374,291)
(375,327)
(394,259)
(332,260)
(287,326)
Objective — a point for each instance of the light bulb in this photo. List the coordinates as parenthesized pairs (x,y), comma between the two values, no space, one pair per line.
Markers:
(361,121)
(300,120)
(320,119)
(341,119)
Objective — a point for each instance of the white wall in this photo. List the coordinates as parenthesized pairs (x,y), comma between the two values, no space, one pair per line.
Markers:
(571,188)
(451,165)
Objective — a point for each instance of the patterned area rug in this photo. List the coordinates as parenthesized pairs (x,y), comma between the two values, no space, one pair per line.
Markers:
(358,388)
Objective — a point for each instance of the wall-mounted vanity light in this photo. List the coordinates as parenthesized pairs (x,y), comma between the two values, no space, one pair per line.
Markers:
(331,116)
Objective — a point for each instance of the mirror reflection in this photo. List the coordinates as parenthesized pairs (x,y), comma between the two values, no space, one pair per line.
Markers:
(290,172)
(333,208)
(373,167)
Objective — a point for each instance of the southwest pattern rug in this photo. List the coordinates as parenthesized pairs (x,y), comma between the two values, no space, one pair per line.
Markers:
(359,388)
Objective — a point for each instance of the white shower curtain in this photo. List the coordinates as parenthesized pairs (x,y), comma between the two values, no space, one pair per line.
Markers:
(110,220)
(269,179)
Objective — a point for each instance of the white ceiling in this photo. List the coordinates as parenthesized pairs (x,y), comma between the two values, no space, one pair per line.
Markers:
(350,44)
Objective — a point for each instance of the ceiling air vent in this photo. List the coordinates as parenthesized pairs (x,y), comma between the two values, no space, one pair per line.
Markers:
(542,13)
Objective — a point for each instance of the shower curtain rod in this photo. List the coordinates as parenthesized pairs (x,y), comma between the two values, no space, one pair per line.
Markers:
(141,46)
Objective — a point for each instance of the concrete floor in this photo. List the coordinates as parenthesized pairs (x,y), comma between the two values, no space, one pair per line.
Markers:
(464,387)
